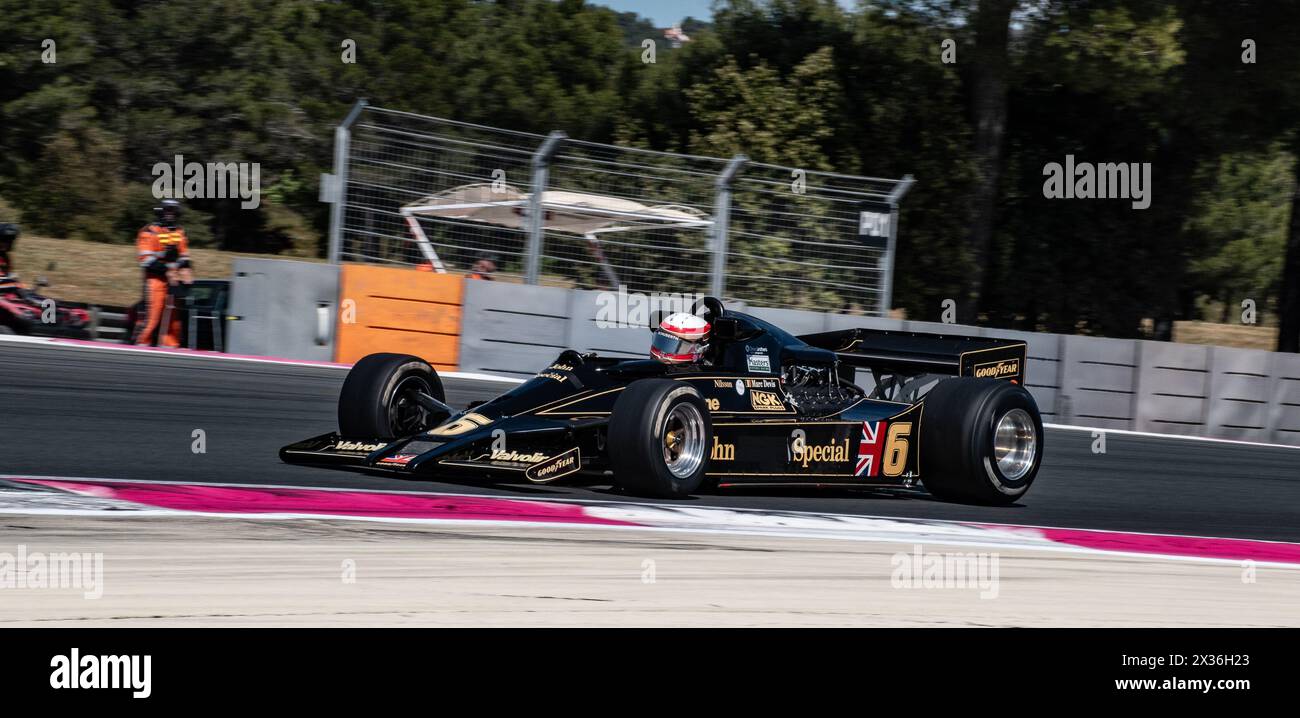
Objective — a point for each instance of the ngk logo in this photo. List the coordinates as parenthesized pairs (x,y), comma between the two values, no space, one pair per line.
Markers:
(765,401)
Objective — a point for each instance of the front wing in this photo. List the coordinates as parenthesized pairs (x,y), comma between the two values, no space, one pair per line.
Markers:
(537,456)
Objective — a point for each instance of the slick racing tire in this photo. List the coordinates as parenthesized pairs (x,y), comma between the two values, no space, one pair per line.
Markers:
(377,400)
(981,441)
(660,437)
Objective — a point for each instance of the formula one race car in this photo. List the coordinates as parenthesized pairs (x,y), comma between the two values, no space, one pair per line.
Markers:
(759,406)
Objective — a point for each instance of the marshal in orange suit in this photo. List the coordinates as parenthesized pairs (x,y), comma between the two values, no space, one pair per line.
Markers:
(164,255)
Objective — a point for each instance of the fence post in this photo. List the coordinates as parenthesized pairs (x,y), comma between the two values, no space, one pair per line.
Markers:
(536,215)
(887,281)
(342,147)
(722,222)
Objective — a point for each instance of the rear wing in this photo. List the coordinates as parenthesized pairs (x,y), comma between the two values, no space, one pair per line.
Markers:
(915,353)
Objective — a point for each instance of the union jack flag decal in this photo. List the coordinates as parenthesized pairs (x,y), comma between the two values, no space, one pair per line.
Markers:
(869,449)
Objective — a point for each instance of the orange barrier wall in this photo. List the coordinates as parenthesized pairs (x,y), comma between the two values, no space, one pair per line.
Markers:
(399,310)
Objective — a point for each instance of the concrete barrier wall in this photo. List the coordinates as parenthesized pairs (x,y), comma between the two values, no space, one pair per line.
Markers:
(283,308)
(1284,413)
(586,334)
(1086,381)
(1174,381)
(512,329)
(1098,382)
(1240,392)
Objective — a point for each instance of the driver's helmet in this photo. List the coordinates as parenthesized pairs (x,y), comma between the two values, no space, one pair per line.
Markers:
(679,339)
(168,213)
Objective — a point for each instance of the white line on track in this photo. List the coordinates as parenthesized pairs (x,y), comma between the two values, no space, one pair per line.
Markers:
(1182,437)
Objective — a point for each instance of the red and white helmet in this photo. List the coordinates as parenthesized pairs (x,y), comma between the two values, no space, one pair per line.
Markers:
(679,339)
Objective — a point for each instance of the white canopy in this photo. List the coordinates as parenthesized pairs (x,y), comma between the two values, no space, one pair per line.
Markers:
(578,213)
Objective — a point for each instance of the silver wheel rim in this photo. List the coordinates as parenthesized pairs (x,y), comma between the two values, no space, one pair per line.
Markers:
(682,437)
(1015,444)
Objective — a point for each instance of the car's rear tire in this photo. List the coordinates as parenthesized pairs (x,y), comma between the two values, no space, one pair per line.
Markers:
(376,400)
(981,441)
(660,437)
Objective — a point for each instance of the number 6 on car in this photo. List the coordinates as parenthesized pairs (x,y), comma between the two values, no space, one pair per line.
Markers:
(896,448)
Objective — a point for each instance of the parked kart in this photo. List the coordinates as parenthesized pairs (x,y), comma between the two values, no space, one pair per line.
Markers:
(762,407)
(23,311)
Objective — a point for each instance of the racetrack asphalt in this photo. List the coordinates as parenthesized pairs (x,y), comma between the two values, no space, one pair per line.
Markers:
(88,412)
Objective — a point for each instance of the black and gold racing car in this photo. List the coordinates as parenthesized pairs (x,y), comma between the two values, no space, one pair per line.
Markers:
(857,407)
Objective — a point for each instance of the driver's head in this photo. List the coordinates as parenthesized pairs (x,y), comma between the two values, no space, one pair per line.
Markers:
(168,213)
(679,339)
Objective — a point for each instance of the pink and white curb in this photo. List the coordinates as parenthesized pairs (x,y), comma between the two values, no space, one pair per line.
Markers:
(47,495)
(278,502)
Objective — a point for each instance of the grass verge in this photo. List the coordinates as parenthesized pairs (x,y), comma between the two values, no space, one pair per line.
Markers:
(99,273)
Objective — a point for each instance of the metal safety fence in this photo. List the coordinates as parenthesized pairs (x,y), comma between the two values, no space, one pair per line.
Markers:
(449,196)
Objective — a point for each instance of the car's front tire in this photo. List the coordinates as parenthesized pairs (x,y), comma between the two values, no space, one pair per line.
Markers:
(981,441)
(378,397)
(660,436)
